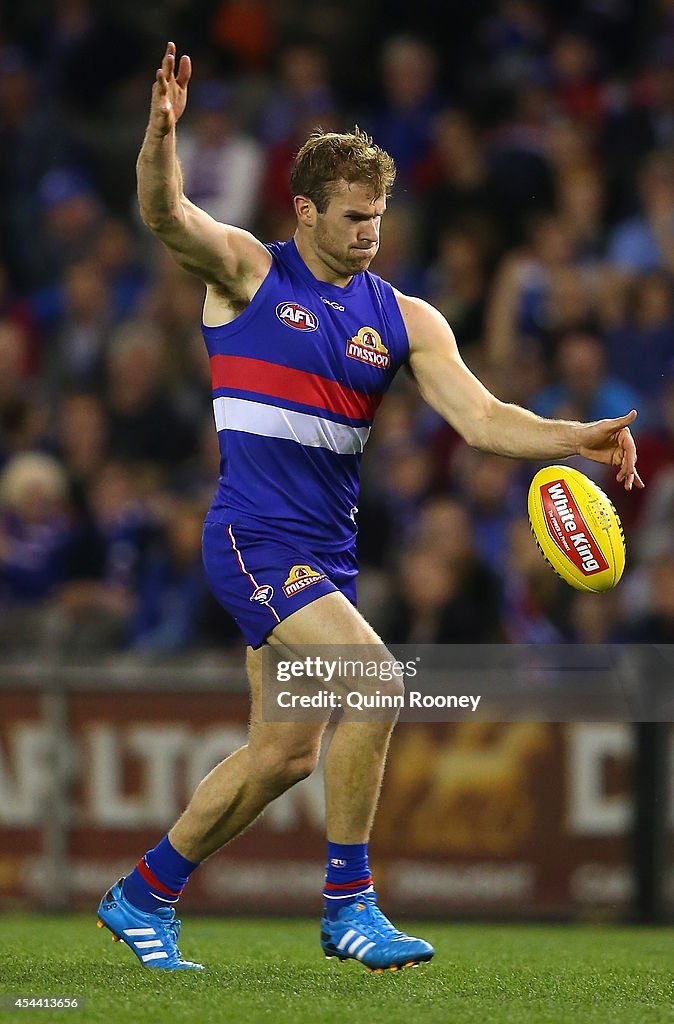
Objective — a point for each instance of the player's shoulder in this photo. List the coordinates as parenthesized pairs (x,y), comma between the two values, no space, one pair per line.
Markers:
(420,317)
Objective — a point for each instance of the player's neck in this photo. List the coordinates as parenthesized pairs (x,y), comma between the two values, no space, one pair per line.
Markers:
(321,270)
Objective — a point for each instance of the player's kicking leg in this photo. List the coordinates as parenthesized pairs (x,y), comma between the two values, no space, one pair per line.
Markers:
(140,909)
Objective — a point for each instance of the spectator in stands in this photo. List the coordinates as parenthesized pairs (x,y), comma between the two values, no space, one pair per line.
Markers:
(491,492)
(172,588)
(640,346)
(643,122)
(580,90)
(105,558)
(645,242)
(14,354)
(71,220)
(33,139)
(581,202)
(145,423)
(35,528)
(405,482)
(76,352)
(222,168)
(536,601)
(518,148)
(82,440)
(519,303)
(303,97)
(595,619)
(456,282)
(455,181)
(585,389)
(402,122)
(439,599)
(656,626)
(514,38)
(116,253)
(173,306)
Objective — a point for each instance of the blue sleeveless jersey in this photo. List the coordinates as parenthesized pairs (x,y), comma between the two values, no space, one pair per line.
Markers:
(297,378)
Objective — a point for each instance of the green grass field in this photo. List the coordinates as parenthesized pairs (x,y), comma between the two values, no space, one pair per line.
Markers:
(273,971)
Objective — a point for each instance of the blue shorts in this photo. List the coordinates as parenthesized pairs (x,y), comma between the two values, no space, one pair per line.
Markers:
(261,579)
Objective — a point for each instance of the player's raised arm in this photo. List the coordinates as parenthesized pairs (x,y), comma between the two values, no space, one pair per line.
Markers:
(490,425)
(220,254)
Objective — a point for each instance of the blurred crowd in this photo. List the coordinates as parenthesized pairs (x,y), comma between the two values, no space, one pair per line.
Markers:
(534,207)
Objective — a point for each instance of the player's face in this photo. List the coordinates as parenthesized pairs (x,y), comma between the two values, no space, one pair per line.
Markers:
(346,236)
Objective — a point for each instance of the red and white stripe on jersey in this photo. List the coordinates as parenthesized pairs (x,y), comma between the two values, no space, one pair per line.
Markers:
(271,379)
(310,428)
(301,427)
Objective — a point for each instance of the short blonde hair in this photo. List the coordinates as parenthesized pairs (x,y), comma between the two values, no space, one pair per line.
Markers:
(327,158)
(32,471)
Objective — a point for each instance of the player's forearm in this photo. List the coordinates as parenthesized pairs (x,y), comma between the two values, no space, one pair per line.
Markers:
(521,434)
(160,183)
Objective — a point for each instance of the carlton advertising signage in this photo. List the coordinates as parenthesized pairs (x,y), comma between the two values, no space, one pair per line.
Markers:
(517,818)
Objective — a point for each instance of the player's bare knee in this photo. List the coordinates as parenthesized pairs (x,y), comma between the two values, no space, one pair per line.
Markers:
(383,678)
(281,768)
(393,687)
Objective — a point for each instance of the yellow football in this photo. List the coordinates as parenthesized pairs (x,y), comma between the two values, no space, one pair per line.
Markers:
(577,529)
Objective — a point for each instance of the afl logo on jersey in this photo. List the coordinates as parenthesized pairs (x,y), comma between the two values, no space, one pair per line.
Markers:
(368,347)
(293,315)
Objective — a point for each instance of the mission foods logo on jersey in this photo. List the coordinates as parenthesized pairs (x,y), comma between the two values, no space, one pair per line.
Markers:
(569,530)
(299,578)
(369,348)
(293,315)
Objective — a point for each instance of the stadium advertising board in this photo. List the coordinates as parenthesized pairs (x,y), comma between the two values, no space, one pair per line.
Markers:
(508,819)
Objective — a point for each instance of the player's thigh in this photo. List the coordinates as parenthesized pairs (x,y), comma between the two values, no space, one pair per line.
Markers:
(330,619)
(332,629)
(279,741)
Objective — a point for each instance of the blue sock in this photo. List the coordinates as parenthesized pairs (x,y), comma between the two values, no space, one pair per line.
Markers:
(347,876)
(158,878)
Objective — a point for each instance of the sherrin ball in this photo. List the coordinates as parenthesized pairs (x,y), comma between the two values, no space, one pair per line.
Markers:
(576,528)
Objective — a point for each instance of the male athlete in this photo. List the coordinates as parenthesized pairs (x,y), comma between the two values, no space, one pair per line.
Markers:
(304,341)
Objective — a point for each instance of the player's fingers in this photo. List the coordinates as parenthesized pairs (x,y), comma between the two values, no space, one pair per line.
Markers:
(160,97)
(184,71)
(625,476)
(627,446)
(169,60)
(624,421)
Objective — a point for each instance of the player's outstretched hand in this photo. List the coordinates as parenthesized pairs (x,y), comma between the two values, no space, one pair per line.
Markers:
(611,442)
(169,92)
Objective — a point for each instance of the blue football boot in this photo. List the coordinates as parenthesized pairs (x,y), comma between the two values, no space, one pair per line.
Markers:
(152,937)
(362,932)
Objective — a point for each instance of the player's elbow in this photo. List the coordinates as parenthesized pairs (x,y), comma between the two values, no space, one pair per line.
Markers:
(478,427)
(164,223)
(155,216)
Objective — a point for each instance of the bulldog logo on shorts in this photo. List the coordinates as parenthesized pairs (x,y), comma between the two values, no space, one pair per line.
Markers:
(299,578)
(263,594)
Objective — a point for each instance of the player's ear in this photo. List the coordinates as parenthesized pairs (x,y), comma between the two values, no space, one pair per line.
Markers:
(305,210)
